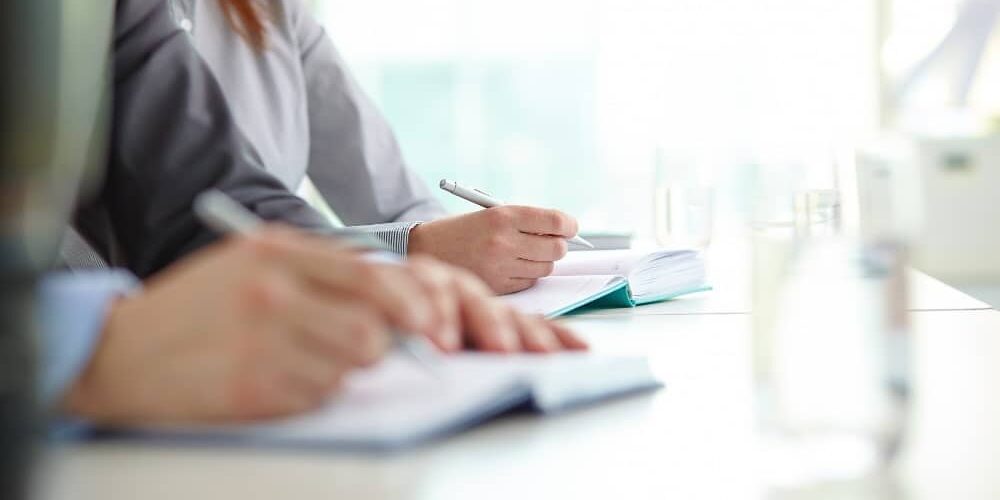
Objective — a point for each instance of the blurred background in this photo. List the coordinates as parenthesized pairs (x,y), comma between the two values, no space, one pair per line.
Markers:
(596,106)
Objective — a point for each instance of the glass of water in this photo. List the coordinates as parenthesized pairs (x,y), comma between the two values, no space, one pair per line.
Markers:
(827,407)
(685,214)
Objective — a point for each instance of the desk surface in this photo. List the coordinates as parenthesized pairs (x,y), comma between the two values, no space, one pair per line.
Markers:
(692,440)
(731,294)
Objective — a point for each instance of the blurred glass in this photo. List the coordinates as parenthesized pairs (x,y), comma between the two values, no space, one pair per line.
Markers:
(817,212)
(827,336)
(684,215)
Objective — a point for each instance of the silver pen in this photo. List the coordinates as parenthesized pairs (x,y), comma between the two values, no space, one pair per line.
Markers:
(223,214)
(486,200)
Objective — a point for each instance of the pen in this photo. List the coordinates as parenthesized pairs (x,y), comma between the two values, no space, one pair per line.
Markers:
(223,214)
(485,200)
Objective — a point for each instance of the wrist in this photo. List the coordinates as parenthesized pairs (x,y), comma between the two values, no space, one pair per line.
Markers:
(416,241)
(84,396)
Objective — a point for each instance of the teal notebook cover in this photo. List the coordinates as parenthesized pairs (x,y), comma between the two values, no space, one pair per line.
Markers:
(618,294)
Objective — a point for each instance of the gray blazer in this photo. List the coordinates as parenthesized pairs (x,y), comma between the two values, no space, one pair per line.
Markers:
(172,137)
(303,111)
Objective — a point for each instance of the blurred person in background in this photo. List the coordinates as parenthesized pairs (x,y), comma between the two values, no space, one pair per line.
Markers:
(293,96)
(251,327)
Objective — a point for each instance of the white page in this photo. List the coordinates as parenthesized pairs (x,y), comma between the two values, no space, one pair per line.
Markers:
(389,403)
(650,273)
(667,272)
(606,262)
(397,402)
(555,293)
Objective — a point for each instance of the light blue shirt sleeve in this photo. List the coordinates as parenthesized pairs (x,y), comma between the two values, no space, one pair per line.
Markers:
(72,308)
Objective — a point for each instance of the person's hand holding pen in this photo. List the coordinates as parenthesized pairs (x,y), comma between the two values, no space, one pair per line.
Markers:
(269,324)
(253,327)
(507,246)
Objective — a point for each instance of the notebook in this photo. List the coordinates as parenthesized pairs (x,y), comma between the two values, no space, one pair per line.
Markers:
(396,404)
(613,278)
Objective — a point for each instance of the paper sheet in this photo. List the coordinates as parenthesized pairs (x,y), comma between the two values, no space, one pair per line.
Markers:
(557,293)
(397,403)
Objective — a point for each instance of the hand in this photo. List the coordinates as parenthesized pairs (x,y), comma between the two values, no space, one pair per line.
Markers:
(249,328)
(509,247)
(468,315)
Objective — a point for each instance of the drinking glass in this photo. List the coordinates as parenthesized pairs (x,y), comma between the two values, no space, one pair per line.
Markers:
(684,215)
(824,334)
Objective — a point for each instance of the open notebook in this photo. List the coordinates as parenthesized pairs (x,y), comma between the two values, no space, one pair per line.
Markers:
(396,404)
(613,278)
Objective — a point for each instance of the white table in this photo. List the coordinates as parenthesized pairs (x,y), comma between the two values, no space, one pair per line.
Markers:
(730,272)
(692,440)
(732,296)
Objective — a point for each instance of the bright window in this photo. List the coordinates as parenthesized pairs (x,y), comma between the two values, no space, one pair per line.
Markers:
(573,103)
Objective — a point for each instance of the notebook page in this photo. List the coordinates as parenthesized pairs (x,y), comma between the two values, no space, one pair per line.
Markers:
(650,273)
(667,272)
(562,380)
(556,293)
(397,403)
(392,403)
(607,262)
(573,379)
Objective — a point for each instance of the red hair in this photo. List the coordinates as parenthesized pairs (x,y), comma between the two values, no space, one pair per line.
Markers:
(247,18)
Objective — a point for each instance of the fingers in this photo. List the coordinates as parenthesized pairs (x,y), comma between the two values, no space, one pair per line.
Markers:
(340,326)
(308,372)
(438,283)
(540,335)
(540,248)
(535,334)
(488,325)
(284,378)
(392,290)
(534,220)
(308,346)
(389,288)
(342,329)
(527,269)
(567,338)
(512,285)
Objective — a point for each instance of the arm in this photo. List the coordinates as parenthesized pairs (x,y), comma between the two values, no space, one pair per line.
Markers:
(173,137)
(355,160)
(263,326)
(356,164)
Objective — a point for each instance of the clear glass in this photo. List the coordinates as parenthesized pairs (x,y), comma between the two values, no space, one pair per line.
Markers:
(827,339)
(684,215)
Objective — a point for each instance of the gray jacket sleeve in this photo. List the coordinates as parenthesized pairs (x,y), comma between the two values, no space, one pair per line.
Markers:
(173,137)
(355,161)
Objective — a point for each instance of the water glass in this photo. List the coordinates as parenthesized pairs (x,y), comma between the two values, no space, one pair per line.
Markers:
(684,215)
